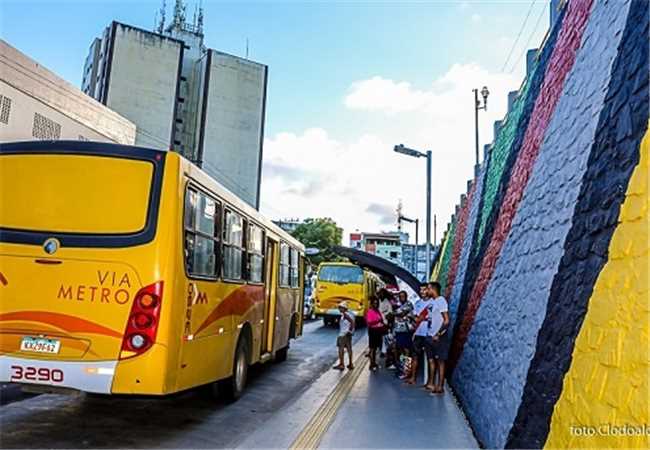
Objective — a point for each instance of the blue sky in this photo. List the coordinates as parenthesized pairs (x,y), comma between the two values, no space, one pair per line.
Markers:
(322,58)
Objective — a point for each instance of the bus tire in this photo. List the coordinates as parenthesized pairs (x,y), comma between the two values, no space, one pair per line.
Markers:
(232,388)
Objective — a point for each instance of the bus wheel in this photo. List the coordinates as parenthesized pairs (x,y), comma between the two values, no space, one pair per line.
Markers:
(232,388)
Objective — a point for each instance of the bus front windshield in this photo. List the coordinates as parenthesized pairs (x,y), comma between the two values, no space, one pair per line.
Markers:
(341,274)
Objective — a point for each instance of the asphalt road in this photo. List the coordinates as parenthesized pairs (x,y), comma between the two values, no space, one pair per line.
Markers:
(189,419)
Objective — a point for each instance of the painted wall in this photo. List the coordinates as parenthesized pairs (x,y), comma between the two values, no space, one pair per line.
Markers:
(542,305)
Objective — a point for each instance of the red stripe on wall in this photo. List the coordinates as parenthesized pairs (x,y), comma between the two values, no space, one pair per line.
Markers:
(560,64)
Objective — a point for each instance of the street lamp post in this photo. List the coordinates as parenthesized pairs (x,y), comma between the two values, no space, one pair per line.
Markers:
(478,106)
(417,154)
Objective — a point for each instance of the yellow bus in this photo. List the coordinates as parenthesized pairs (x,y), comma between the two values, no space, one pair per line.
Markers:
(126,270)
(343,281)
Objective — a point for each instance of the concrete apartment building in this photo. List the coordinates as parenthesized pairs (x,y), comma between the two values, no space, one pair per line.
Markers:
(36,104)
(205,104)
(385,245)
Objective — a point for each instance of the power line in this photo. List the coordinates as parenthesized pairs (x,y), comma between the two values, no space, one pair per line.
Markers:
(530,37)
(514,44)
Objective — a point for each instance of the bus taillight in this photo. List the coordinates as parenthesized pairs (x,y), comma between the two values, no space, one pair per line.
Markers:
(141,328)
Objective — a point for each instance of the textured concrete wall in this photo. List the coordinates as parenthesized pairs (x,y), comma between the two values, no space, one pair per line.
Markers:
(560,64)
(534,237)
(500,166)
(608,377)
(461,227)
(503,337)
(445,258)
(459,279)
(622,121)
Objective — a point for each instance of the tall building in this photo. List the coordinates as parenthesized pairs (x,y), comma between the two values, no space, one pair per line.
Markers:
(205,104)
(37,104)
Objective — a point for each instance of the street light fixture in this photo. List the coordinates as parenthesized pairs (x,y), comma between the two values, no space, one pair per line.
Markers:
(417,154)
(477,107)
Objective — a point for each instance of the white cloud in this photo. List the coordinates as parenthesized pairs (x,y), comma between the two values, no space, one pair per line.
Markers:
(359,181)
(476,18)
(379,93)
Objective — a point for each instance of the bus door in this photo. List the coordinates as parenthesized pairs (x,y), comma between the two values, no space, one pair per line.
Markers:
(270,290)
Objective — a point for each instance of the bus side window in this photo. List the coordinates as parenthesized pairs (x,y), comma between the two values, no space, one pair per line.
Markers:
(294,272)
(284,265)
(201,234)
(233,246)
(255,253)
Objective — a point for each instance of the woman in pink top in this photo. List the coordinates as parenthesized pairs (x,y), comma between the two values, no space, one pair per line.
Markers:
(376,328)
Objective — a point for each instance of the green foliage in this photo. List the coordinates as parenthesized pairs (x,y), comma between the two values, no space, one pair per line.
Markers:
(321,233)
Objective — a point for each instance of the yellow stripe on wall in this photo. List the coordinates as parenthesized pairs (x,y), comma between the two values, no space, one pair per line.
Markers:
(604,401)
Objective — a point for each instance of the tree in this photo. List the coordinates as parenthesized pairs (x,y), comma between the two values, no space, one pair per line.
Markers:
(321,233)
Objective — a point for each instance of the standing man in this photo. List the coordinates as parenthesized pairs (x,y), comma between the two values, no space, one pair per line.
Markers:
(344,339)
(439,338)
(420,337)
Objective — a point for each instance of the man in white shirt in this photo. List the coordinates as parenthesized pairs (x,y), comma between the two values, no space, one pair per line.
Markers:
(439,338)
(420,339)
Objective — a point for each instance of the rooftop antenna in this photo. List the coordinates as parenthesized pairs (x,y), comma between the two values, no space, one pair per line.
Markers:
(161,24)
(179,15)
(199,20)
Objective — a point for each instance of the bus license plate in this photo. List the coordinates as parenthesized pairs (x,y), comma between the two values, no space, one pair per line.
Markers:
(40,345)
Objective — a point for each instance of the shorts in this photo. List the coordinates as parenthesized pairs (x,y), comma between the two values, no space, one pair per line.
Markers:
(404,340)
(440,348)
(344,341)
(421,344)
(375,338)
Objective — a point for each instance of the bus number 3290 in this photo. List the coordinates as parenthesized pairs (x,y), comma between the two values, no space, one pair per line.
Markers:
(20,373)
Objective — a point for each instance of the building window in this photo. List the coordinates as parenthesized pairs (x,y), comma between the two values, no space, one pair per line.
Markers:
(201,234)
(45,128)
(294,268)
(255,253)
(284,265)
(233,250)
(5,109)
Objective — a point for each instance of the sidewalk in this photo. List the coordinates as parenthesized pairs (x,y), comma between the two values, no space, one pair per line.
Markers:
(382,412)
(363,409)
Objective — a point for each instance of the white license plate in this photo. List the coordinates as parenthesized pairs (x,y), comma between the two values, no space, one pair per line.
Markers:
(40,345)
